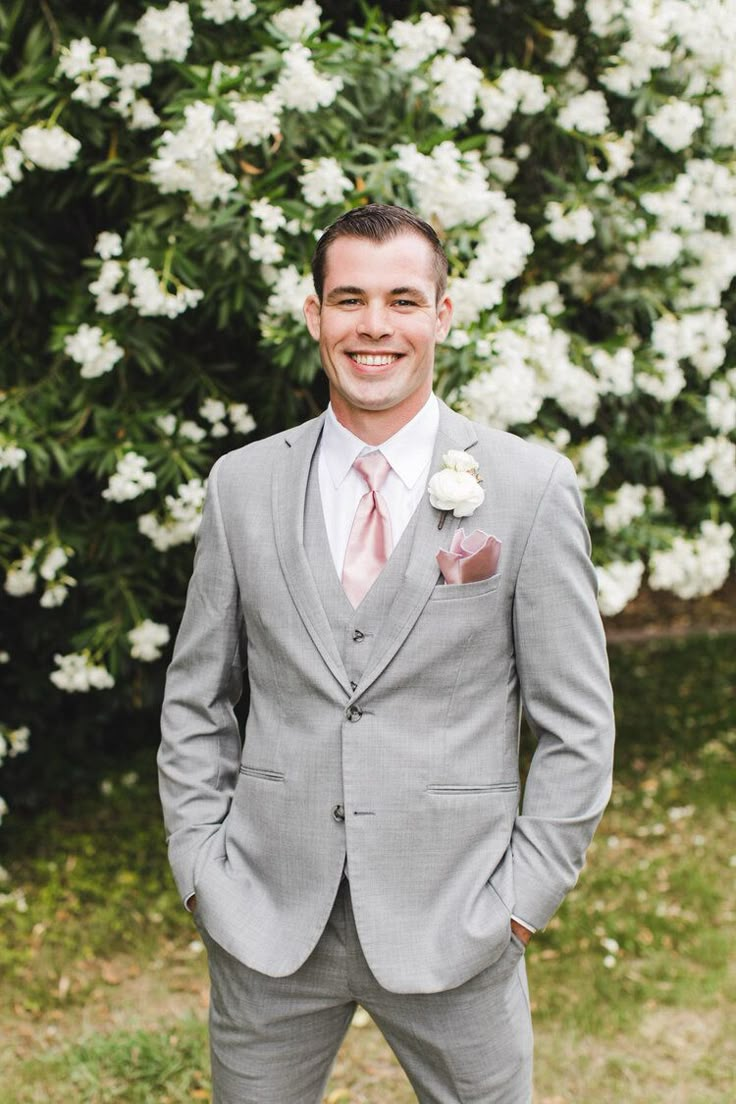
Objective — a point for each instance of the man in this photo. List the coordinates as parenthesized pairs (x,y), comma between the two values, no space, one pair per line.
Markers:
(366,844)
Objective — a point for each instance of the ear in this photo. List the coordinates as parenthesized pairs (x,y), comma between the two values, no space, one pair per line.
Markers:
(313,315)
(444,317)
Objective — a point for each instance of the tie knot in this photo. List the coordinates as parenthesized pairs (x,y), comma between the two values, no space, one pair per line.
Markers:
(374,467)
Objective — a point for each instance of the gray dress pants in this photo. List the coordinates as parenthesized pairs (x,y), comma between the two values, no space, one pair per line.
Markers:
(273,1040)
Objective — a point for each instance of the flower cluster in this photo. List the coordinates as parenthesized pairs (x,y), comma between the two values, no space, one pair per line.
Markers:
(182,516)
(147,639)
(77,674)
(580,178)
(130,479)
(45,561)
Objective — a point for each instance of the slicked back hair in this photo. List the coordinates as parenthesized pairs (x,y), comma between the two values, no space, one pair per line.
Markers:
(378,222)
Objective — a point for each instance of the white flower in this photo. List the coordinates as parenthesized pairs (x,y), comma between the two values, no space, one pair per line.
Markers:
(271,218)
(542,298)
(130,479)
(54,560)
(323,181)
(720,407)
(136,74)
(212,410)
(95,351)
(457,83)
(241,418)
(298,22)
(300,86)
(452,187)
(456,486)
(78,674)
(108,245)
(592,462)
(107,300)
(675,123)
(289,291)
(191,431)
(573,224)
(586,113)
(167,424)
(615,371)
(20,578)
(11,456)
(618,584)
(76,58)
(151,298)
(562,48)
(18,741)
(661,249)
(691,568)
(56,594)
(629,503)
(147,639)
(257,120)
(265,248)
(165,33)
(416,42)
(222,11)
(509,394)
(49,148)
(3,808)
(182,517)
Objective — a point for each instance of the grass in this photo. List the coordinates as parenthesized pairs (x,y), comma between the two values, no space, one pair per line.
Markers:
(102,993)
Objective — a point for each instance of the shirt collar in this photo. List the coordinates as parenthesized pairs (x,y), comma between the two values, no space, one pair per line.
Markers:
(408,452)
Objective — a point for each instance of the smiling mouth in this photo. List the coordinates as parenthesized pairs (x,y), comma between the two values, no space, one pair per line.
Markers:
(374,360)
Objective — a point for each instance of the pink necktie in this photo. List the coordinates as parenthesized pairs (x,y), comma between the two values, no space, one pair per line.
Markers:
(369,544)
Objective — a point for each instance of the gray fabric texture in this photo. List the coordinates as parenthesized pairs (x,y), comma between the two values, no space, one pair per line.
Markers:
(273,1040)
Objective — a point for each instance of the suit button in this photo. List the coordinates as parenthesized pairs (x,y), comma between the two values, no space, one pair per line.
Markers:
(353,713)
(358,636)
(338,813)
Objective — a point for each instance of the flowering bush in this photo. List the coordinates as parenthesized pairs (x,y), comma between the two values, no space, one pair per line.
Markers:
(164,172)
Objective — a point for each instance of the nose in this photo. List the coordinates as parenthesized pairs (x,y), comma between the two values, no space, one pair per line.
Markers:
(374,321)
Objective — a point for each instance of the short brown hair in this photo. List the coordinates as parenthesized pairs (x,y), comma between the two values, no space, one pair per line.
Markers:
(378,222)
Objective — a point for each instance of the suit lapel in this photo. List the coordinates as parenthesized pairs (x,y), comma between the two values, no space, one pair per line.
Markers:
(455,432)
(289,493)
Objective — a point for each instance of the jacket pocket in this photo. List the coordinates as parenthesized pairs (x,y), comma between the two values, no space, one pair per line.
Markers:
(479,788)
(260,772)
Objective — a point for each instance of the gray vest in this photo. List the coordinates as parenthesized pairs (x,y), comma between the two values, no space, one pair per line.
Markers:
(354,630)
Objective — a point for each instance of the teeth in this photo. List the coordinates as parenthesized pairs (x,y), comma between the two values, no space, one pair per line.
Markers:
(374,361)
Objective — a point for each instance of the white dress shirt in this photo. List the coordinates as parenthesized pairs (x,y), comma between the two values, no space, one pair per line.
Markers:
(409,452)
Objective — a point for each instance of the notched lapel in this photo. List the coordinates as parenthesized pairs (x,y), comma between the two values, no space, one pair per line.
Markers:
(422,573)
(289,493)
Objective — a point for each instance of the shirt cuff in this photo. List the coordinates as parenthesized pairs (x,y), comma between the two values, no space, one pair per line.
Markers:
(523,923)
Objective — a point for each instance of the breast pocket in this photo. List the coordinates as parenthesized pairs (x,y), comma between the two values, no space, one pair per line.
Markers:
(465,592)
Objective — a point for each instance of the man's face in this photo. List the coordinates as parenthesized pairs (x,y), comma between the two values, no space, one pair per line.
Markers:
(377,327)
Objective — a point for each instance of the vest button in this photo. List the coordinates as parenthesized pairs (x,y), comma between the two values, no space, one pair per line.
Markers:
(338,813)
(353,713)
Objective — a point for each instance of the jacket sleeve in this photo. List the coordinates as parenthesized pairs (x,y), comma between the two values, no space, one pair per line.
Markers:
(200,748)
(566,695)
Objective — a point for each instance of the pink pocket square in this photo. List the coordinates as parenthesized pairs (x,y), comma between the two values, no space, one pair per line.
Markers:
(469,559)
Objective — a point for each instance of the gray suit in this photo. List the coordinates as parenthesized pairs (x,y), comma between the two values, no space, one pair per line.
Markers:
(397,751)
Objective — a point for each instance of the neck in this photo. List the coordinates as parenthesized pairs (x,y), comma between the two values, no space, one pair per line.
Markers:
(373,427)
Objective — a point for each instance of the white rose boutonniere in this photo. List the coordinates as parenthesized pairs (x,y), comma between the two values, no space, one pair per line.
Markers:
(456,487)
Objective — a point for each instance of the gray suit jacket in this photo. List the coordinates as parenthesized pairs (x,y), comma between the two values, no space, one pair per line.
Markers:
(428,742)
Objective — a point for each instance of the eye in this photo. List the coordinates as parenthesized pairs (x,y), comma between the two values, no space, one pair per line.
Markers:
(348,302)
(404,303)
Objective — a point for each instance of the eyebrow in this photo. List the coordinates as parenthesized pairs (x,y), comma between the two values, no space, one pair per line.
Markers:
(348,289)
